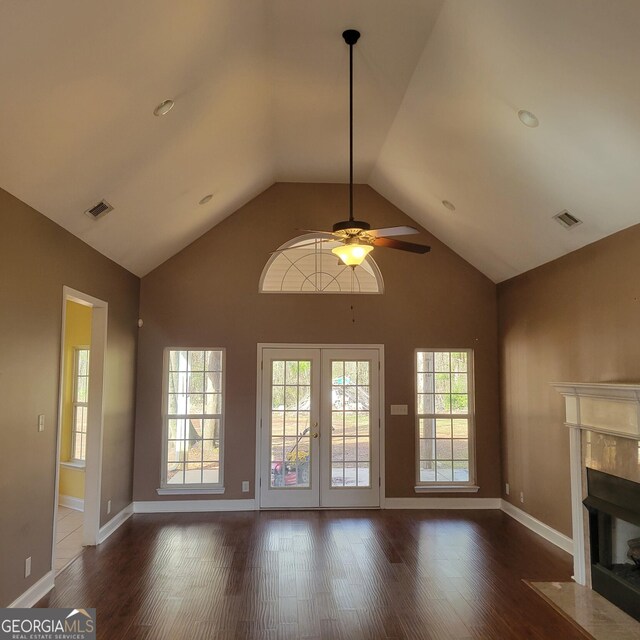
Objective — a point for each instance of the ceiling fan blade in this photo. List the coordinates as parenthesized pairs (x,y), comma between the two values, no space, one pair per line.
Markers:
(392,231)
(400,244)
(303,246)
(329,233)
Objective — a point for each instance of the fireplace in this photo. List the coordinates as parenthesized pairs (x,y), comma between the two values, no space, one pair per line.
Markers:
(613,504)
(604,434)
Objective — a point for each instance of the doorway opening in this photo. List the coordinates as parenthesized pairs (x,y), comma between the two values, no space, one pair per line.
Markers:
(320,426)
(73,433)
(79,437)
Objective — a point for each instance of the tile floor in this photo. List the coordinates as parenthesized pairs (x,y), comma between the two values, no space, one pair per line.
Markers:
(68,536)
(589,610)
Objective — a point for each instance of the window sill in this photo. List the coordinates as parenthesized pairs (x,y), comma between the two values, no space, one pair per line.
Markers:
(443,488)
(73,465)
(187,491)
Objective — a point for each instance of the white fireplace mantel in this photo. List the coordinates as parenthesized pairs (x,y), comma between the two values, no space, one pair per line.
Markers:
(603,407)
(608,408)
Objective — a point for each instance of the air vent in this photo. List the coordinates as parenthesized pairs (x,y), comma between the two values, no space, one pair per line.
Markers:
(567,220)
(99,210)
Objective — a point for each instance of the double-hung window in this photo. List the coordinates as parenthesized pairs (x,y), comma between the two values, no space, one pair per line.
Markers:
(445,420)
(193,419)
(80,401)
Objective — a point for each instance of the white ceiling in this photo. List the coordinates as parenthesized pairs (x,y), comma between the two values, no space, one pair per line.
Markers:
(261,96)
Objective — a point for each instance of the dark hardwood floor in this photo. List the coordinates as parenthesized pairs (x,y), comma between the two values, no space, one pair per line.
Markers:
(318,574)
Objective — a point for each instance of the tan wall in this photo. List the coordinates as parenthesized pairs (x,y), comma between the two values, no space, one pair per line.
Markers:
(37,258)
(574,319)
(207,295)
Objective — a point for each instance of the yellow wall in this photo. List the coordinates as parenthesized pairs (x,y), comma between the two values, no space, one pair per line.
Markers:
(77,334)
(72,482)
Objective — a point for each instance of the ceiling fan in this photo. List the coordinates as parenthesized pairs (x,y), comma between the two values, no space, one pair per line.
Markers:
(356,237)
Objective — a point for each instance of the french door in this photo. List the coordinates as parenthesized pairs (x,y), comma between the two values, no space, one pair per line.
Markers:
(320,427)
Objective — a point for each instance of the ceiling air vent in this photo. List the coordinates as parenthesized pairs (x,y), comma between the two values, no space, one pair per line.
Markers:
(99,210)
(567,220)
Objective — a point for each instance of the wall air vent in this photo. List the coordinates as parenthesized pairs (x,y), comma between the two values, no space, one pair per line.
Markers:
(99,210)
(567,220)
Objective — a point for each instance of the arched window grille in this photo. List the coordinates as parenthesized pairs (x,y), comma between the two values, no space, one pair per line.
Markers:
(306,265)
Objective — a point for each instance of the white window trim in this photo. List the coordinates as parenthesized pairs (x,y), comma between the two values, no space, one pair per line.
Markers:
(73,465)
(191,489)
(73,461)
(446,488)
(470,485)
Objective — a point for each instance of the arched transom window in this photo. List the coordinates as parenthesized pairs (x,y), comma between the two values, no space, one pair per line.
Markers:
(306,265)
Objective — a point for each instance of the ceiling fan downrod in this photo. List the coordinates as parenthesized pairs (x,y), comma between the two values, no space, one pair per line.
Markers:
(351,36)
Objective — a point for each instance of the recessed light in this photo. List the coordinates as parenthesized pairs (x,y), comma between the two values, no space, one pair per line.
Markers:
(163,108)
(449,205)
(528,119)
(206,199)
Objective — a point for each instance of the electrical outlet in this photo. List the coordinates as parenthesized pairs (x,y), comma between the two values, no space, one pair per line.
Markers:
(108,507)
(245,486)
(27,567)
(506,488)
(41,422)
(522,496)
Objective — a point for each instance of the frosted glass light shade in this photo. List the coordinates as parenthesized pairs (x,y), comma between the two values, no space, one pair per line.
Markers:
(352,254)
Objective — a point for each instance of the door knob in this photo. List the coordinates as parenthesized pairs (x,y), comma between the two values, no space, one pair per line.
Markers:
(316,434)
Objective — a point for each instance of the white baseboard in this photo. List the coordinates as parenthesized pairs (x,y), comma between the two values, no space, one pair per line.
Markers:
(35,592)
(77,504)
(441,503)
(117,521)
(542,529)
(191,506)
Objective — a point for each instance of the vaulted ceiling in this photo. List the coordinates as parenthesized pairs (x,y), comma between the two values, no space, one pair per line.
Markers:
(260,91)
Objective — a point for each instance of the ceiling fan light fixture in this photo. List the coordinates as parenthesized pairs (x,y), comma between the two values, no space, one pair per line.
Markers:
(352,254)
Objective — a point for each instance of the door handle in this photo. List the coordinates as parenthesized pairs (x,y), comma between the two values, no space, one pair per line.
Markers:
(316,434)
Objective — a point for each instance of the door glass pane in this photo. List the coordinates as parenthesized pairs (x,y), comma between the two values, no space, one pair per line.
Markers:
(351,413)
(363,474)
(290,431)
(337,423)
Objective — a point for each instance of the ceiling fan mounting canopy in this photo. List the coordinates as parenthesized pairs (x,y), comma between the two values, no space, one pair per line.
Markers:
(351,36)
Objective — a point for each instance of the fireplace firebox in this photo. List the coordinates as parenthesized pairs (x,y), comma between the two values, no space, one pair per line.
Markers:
(614,532)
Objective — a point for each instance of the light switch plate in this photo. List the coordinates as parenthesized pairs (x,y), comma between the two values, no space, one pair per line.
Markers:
(399,410)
